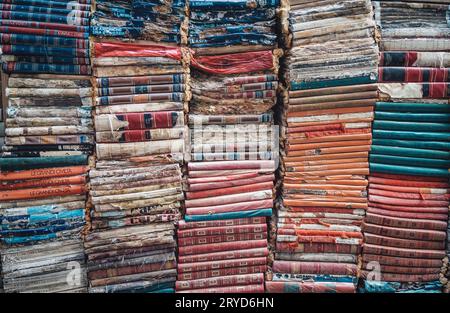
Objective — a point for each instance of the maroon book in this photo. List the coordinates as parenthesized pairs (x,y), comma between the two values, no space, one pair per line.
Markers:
(408,215)
(405,233)
(405,222)
(229,289)
(224,281)
(402,252)
(223,246)
(223,230)
(223,272)
(220,238)
(224,255)
(211,266)
(403,243)
(218,223)
(404,262)
(318,248)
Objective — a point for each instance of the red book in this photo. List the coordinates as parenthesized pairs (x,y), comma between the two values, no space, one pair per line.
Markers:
(408,270)
(218,223)
(223,272)
(407,215)
(405,222)
(408,195)
(402,252)
(402,208)
(224,255)
(321,210)
(403,180)
(220,238)
(403,243)
(223,230)
(406,202)
(313,232)
(224,281)
(405,233)
(318,248)
(149,120)
(223,246)
(402,262)
(211,266)
(229,289)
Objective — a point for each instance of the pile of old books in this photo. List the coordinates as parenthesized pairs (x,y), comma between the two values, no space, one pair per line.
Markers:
(446,265)
(222,242)
(43,182)
(42,214)
(223,239)
(332,43)
(324,194)
(327,109)
(415,59)
(232,86)
(411,138)
(413,25)
(135,187)
(2,134)
(48,121)
(49,114)
(219,27)
(45,36)
(154,21)
(2,142)
(2,123)
(405,233)
(406,225)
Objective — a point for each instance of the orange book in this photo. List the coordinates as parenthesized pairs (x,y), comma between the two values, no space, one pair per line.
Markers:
(288,186)
(38,193)
(348,171)
(363,135)
(324,162)
(327,157)
(44,173)
(333,150)
(331,111)
(328,144)
(411,189)
(323,181)
(327,167)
